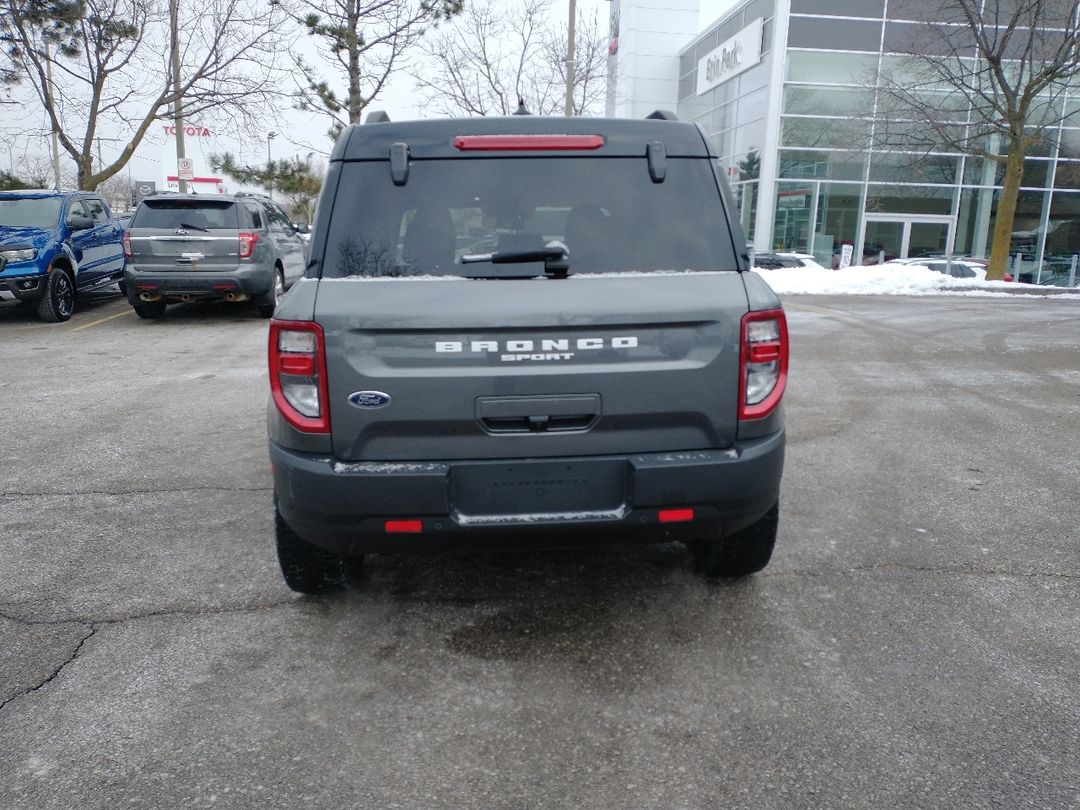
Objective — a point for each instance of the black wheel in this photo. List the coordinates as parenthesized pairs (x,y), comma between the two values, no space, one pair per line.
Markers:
(276,294)
(745,552)
(308,568)
(58,302)
(150,310)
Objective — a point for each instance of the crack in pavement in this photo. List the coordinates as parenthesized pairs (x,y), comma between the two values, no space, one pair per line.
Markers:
(167,490)
(93,625)
(56,672)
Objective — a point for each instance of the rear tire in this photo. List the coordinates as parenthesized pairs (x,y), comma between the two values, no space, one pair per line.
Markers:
(276,294)
(309,569)
(150,310)
(737,555)
(58,302)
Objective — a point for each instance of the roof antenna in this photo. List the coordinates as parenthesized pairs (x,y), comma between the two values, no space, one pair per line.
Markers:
(521,107)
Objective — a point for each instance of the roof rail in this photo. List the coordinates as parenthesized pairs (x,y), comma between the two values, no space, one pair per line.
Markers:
(662,115)
(377,117)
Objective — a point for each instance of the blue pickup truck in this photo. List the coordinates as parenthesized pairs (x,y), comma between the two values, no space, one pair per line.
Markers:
(56,245)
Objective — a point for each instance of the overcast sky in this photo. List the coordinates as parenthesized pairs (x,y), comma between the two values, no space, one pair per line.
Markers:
(297,133)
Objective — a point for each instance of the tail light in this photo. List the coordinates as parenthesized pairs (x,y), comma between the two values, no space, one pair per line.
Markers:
(1007,277)
(127,244)
(298,374)
(247,244)
(763,363)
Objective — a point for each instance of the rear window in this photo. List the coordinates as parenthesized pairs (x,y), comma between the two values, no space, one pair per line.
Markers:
(180,213)
(608,213)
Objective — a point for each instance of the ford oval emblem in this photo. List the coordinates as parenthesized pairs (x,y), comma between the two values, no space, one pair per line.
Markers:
(369,400)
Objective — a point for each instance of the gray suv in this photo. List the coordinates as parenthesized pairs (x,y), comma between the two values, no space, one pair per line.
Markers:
(184,248)
(525,332)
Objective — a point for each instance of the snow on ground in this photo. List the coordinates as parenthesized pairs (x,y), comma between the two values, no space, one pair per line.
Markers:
(895,280)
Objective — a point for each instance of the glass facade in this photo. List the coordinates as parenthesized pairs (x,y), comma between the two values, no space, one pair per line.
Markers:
(843,171)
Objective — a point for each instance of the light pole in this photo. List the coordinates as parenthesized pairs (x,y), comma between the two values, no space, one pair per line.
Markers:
(269,167)
(570,60)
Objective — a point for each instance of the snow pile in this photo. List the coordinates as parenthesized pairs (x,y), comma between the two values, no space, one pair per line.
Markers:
(891,280)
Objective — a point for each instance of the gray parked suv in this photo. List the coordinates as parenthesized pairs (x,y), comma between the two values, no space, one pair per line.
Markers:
(183,248)
(525,332)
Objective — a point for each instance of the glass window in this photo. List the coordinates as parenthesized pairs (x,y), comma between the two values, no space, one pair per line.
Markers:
(746,196)
(898,167)
(808,99)
(935,40)
(833,68)
(96,209)
(920,10)
(791,225)
(722,118)
(176,212)
(1067,176)
(984,172)
(883,199)
(1062,241)
(749,138)
(837,223)
(841,8)
(1070,143)
(29,212)
(450,208)
(825,133)
(851,35)
(805,163)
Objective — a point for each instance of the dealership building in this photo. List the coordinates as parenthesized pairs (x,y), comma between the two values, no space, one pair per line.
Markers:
(784,90)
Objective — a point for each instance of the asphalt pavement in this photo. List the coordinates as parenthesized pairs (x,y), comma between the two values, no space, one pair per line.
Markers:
(914,642)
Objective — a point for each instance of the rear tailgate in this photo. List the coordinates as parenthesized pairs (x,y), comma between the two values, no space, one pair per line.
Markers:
(589,365)
(178,235)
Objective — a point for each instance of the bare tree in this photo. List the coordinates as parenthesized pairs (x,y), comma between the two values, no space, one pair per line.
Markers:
(367,41)
(492,56)
(984,78)
(97,67)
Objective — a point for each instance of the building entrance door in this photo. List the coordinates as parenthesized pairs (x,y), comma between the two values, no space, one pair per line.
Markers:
(902,237)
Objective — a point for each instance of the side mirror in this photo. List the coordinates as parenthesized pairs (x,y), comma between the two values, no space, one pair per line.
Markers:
(301,227)
(77,222)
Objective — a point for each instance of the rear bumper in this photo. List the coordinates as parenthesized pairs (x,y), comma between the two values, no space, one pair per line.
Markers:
(465,505)
(216,283)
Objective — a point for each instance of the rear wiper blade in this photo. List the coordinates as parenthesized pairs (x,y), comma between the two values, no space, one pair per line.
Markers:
(555,256)
(194,227)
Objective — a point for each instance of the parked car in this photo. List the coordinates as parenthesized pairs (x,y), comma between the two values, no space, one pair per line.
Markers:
(525,332)
(55,246)
(776,261)
(957,268)
(182,248)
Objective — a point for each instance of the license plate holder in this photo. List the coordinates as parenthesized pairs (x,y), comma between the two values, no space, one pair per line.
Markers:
(539,490)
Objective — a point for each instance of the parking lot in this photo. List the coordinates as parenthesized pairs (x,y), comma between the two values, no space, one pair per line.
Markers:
(914,643)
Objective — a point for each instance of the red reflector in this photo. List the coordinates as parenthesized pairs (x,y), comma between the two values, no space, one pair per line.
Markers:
(526,143)
(302,365)
(764,352)
(146,286)
(404,526)
(675,515)
(229,286)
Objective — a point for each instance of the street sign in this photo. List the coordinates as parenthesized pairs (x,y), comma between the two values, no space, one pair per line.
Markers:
(186,168)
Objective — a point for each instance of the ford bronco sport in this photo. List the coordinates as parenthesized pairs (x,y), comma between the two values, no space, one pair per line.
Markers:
(525,331)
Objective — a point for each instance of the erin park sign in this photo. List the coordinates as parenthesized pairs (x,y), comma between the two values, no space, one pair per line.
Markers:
(739,53)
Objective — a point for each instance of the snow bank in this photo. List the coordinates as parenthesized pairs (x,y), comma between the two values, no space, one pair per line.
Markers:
(893,280)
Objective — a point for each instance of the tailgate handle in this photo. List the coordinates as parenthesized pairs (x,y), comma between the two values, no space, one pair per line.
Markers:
(543,414)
